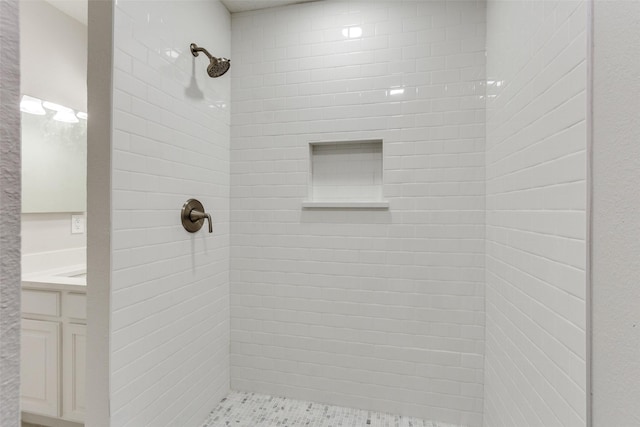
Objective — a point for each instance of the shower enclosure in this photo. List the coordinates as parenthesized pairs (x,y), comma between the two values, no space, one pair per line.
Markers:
(398,192)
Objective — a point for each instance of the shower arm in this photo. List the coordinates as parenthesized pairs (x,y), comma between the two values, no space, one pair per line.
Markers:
(195,49)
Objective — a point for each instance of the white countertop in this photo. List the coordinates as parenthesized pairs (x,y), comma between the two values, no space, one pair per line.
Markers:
(69,278)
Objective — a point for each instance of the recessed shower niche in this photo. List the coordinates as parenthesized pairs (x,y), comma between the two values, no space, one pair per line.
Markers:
(345,174)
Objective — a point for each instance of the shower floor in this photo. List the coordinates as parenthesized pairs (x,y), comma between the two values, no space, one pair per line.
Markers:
(241,409)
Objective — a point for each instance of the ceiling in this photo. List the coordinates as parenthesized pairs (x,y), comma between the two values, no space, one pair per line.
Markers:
(77,9)
(244,5)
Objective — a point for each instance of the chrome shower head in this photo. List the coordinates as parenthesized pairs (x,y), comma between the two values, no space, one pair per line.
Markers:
(217,66)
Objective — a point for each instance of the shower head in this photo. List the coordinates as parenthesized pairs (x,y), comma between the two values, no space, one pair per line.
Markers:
(217,66)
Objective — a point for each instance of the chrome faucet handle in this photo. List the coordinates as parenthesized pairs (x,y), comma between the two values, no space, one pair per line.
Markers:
(193,215)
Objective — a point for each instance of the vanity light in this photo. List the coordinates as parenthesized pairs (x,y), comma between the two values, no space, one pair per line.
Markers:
(54,107)
(32,105)
(396,91)
(66,116)
(82,115)
(63,114)
(352,32)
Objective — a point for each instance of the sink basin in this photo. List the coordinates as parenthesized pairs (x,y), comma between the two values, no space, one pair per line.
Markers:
(76,274)
(80,274)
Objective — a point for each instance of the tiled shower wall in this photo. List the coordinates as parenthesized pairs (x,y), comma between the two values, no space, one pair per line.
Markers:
(170,294)
(536,221)
(372,309)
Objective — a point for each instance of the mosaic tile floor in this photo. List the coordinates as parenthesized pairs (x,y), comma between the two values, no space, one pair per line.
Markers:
(240,409)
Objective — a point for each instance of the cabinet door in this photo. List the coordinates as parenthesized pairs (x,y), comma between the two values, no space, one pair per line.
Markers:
(39,367)
(74,367)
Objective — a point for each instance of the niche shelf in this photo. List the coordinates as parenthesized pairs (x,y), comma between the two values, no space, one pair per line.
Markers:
(345,175)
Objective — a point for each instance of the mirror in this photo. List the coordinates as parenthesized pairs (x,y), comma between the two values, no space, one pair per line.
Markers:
(54,157)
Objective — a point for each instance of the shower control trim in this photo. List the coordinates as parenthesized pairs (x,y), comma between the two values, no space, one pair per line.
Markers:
(193,216)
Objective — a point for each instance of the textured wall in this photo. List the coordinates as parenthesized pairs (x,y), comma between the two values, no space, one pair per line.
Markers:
(372,309)
(10,215)
(616,203)
(535,369)
(170,288)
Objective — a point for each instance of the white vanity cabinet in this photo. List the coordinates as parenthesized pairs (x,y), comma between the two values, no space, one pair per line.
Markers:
(73,361)
(53,350)
(40,367)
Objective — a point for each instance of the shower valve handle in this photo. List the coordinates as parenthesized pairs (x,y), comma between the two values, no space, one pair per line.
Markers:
(193,215)
(196,215)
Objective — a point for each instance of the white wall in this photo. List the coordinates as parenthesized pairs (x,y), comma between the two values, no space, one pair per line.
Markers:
(535,370)
(616,203)
(47,242)
(53,55)
(373,309)
(169,288)
(99,213)
(48,232)
(9,215)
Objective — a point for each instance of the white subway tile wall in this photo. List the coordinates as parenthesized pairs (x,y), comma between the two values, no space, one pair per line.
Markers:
(170,290)
(536,200)
(380,310)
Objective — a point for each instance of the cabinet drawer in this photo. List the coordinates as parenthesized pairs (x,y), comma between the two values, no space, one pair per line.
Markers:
(40,302)
(74,306)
